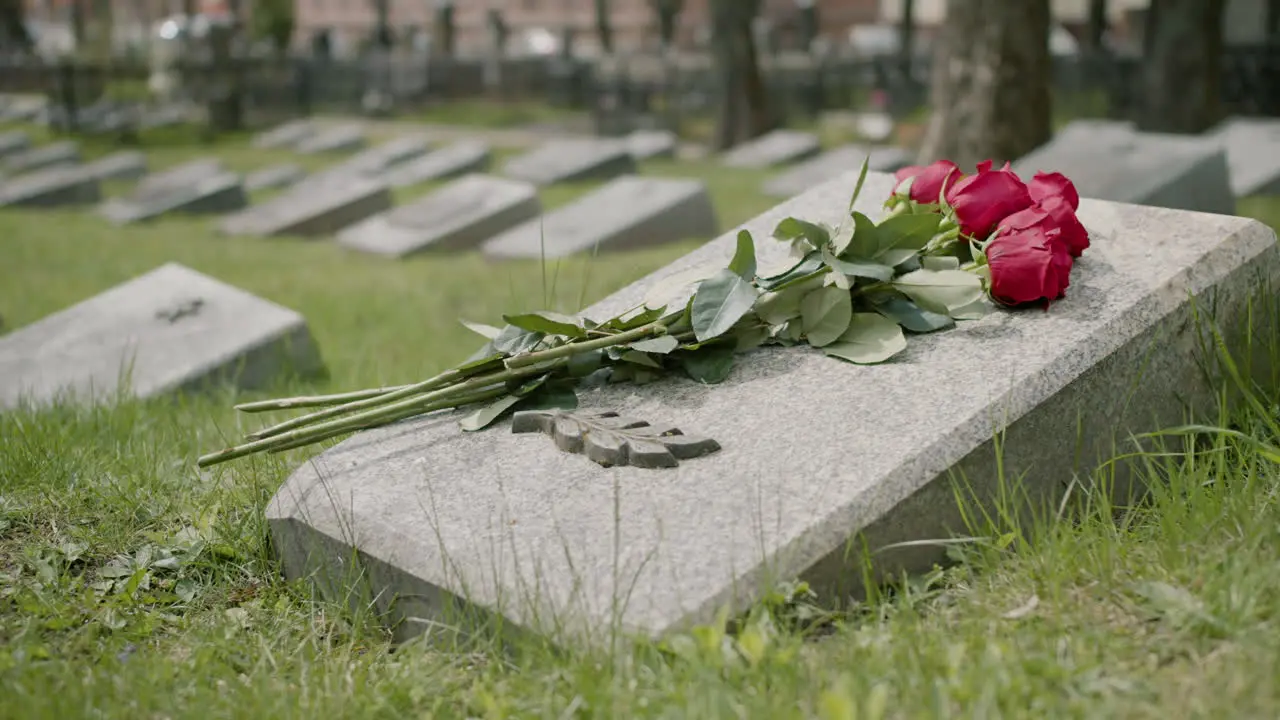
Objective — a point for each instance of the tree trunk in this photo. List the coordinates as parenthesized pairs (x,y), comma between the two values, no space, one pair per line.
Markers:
(991,82)
(1273,20)
(77,23)
(12,30)
(604,26)
(906,37)
(744,107)
(445,31)
(1182,66)
(667,11)
(1097,25)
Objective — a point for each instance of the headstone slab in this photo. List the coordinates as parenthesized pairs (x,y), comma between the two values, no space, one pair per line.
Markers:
(459,215)
(649,144)
(312,209)
(834,163)
(214,194)
(180,174)
(814,452)
(14,141)
(65,152)
(287,135)
(776,147)
(570,160)
(171,329)
(626,213)
(1110,162)
(121,165)
(334,139)
(281,175)
(459,158)
(54,186)
(1253,154)
(380,158)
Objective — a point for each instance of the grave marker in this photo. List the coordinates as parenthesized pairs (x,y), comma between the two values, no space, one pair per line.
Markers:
(1253,154)
(218,193)
(458,216)
(1110,161)
(54,186)
(122,165)
(287,135)
(14,141)
(171,329)
(570,160)
(65,152)
(818,459)
(459,158)
(628,212)
(335,139)
(381,158)
(777,147)
(649,144)
(834,163)
(312,209)
(281,175)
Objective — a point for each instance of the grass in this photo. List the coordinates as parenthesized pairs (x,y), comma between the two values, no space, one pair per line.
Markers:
(132,585)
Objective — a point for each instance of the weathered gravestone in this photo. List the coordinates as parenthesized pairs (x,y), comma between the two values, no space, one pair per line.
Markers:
(181,174)
(819,459)
(628,212)
(281,175)
(460,215)
(777,147)
(834,163)
(14,141)
(219,193)
(569,160)
(1109,161)
(648,144)
(1253,154)
(24,108)
(378,159)
(286,135)
(66,152)
(312,209)
(122,165)
(51,187)
(459,158)
(172,329)
(334,139)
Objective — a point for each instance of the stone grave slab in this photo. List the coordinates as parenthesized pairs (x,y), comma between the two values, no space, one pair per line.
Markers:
(648,144)
(777,147)
(626,213)
(385,156)
(1111,162)
(287,135)
(169,330)
(281,175)
(312,209)
(219,193)
(334,139)
(55,186)
(122,165)
(1253,154)
(570,160)
(24,108)
(14,141)
(65,152)
(180,174)
(818,458)
(459,158)
(834,163)
(458,216)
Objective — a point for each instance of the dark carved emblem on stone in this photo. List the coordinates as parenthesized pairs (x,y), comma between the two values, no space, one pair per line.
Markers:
(180,310)
(610,439)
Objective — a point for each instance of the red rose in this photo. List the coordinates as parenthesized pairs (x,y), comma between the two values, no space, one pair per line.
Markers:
(1046,185)
(981,201)
(1056,218)
(1027,265)
(926,188)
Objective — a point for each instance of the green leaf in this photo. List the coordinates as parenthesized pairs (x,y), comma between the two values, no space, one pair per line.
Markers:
(660,345)
(488,414)
(796,229)
(910,316)
(720,302)
(826,312)
(635,317)
(871,338)
(942,291)
(583,364)
(862,177)
(709,366)
(751,337)
(552,397)
(940,262)
(809,264)
(549,323)
(663,291)
(905,232)
(778,306)
(488,331)
(857,267)
(513,340)
(636,357)
(744,258)
(480,366)
(865,242)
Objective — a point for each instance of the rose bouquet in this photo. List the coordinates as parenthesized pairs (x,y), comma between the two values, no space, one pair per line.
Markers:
(949,244)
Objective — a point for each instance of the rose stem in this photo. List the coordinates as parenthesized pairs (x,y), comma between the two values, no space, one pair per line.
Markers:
(359,419)
(314,400)
(644,331)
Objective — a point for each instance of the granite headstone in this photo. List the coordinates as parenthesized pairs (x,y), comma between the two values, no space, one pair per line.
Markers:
(776,147)
(459,158)
(287,135)
(1253,154)
(54,186)
(649,144)
(333,139)
(219,193)
(569,160)
(280,175)
(312,209)
(834,163)
(14,141)
(120,165)
(382,157)
(64,152)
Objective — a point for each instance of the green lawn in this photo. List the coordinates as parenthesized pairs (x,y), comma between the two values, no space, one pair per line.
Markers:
(133,586)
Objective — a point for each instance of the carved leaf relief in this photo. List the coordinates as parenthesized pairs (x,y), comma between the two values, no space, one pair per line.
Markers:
(610,439)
